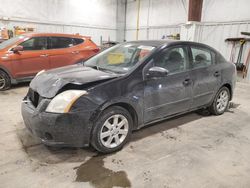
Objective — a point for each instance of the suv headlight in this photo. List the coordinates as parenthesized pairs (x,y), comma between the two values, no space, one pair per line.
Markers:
(63,101)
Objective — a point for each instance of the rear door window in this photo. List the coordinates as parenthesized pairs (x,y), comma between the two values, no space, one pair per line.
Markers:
(36,43)
(61,42)
(77,41)
(201,57)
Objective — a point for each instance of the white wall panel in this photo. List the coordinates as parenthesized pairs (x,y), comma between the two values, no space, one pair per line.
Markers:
(95,12)
(95,33)
(221,19)
(94,18)
(157,33)
(215,35)
(157,13)
(168,12)
(152,33)
(224,19)
(225,10)
(157,18)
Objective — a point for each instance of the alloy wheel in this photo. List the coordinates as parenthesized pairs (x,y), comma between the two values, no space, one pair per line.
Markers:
(2,82)
(222,101)
(114,131)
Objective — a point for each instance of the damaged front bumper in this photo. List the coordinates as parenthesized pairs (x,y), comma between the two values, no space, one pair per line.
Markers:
(69,129)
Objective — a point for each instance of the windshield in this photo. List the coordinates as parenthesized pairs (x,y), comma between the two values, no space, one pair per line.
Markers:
(10,42)
(120,58)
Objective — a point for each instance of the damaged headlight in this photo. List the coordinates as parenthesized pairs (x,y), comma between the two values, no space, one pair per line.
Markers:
(63,101)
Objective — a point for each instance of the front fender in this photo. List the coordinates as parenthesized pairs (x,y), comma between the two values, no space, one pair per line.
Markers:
(134,106)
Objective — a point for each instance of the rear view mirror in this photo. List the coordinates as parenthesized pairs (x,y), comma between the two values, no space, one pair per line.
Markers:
(17,49)
(155,72)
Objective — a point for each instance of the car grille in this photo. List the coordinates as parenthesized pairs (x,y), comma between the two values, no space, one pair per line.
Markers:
(34,97)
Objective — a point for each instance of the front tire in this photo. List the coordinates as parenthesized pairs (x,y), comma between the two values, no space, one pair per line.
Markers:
(221,101)
(5,82)
(112,130)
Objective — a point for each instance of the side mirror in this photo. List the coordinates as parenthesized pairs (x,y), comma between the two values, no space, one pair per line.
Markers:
(17,49)
(156,72)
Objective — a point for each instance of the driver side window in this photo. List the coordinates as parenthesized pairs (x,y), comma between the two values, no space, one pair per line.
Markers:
(36,43)
(174,60)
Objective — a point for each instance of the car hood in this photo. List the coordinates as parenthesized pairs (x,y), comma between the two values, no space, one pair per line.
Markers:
(48,83)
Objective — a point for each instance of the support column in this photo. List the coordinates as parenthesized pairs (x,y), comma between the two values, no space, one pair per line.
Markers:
(191,30)
(121,20)
(195,10)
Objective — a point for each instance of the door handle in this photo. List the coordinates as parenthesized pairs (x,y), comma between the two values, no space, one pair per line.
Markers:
(186,82)
(75,52)
(216,74)
(44,55)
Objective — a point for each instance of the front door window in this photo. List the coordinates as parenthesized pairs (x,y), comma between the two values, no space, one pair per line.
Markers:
(36,43)
(174,60)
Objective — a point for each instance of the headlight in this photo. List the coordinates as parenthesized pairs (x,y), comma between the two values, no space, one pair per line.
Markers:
(40,72)
(63,101)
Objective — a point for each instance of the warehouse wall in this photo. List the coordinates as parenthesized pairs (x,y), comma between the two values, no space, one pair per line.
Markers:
(225,10)
(224,19)
(92,18)
(220,20)
(157,18)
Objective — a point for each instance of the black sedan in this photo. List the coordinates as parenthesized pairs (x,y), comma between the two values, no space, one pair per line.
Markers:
(101,101)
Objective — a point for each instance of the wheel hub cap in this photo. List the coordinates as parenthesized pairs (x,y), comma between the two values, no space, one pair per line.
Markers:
(114,131)
(222,101)
(2,82)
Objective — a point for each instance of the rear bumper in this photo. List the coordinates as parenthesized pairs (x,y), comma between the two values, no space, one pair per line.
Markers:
(70,130)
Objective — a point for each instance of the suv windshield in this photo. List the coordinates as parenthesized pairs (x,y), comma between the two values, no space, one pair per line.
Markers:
(120,58)
(10,42)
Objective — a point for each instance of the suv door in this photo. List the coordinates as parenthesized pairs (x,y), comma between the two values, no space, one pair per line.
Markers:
(63,52)
(32,59)
(171,94)
(204,74)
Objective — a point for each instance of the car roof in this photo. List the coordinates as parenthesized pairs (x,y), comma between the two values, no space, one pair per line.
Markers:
(155,43)
(159,43)
(54,34)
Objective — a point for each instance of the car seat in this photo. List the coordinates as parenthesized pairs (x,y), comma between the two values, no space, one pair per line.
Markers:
(200,60)
(174,63)
(39,45)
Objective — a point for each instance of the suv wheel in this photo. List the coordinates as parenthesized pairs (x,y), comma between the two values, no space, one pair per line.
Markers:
(112,130)
(5,82)
(221,102)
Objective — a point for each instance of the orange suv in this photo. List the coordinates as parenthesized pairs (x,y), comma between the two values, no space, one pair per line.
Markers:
(22,57)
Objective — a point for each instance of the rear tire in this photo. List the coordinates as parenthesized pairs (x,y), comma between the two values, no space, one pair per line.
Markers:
(5,81)
(221,101)
(112,130)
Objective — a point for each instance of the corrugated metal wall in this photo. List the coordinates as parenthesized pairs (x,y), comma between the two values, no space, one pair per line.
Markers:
(94,18)
(94,32)
(157,18)
(220,20)
(215,35)
(152,32)
(162,20)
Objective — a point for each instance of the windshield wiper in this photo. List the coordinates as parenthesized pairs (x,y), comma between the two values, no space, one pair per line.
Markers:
(93,67)
(106,70)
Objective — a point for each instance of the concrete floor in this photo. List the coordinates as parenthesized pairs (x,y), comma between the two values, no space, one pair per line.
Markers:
(189,151)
